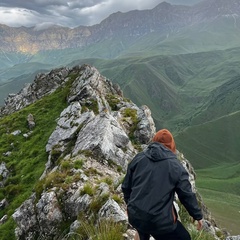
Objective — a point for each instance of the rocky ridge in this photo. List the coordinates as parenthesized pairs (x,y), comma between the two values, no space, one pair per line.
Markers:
(96,136)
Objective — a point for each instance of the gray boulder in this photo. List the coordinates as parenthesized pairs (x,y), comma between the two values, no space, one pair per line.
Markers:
(111,210)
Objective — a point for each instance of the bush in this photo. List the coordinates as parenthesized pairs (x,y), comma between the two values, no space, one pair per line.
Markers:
(87,189)
(113,101)
(78,164)
(97,203)
(102,230)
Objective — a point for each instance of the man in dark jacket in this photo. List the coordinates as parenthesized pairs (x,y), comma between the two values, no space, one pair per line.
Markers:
(153,177)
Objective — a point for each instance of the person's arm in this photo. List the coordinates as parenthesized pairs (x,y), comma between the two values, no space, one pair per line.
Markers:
(188,198)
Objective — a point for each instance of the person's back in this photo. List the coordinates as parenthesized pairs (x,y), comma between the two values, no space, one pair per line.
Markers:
(152,179)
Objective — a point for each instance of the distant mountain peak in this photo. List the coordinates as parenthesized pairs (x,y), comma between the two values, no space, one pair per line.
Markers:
(164,5)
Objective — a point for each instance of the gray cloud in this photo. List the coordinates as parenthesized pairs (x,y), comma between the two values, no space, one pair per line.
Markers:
(71,13)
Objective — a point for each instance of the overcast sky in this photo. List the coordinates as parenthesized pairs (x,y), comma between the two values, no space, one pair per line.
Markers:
(70,13)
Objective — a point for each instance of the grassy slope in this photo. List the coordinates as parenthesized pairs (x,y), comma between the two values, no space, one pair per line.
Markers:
(220,188)
(28,158)
(213,149)
(212,143)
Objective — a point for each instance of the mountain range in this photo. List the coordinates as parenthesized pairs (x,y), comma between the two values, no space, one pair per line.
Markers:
(165,20)
(181,61)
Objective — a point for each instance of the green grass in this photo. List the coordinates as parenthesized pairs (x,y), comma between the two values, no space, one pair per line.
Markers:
(213,143)
(28,158)
(102,230)
(224,208)
(220,189)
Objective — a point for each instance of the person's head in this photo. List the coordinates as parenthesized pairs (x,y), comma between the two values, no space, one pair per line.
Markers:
(164,137)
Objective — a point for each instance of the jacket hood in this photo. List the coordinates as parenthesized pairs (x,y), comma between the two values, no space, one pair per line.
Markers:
(158,152)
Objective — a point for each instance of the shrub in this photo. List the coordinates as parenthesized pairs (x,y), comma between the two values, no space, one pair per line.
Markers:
(55,154)
(131,113)
(108,180)
(116,198)
(102,230)
(78,164)
(92,171)
(92,105)
(88,189)
(55,179)
(65,165)
(97,203)
(113,101)
(201,235)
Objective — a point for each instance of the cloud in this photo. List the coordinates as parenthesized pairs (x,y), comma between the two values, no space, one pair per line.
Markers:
(71,13)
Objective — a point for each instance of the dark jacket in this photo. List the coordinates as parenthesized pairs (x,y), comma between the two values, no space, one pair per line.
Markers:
(152,179)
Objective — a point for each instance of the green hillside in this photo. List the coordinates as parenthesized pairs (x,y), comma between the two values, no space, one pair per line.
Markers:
(213,150)
(28,156)
(181,90)
(220,188)
(213,143)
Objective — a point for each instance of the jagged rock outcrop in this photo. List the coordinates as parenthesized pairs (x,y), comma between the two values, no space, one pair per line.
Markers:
(98,124)
(96,136)
(4,172)
(41,86)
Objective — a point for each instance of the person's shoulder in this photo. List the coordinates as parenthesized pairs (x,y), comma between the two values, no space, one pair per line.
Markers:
(138,156)
(176,169)
(176,164)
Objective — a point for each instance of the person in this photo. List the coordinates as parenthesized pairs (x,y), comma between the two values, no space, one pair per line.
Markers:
(152,179)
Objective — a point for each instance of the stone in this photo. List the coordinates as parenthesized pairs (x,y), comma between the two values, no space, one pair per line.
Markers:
(3,219)
(74,226)
(42,85)
(106,139)
(146,127)
(30,121)
(49,214)
(103,189)
(4,172)
(3,204)
(77,204)
(6,154)
(69,122)
(25,217)
(111,210)
(15,133)
(233,237)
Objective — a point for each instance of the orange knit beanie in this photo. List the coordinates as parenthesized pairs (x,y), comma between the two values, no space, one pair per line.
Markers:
(165,137)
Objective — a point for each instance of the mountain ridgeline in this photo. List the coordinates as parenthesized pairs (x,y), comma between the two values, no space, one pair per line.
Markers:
(127,30)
